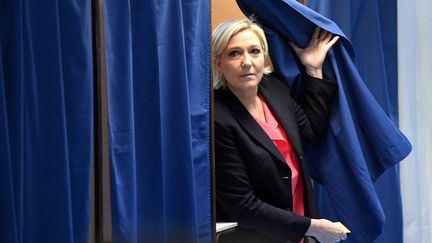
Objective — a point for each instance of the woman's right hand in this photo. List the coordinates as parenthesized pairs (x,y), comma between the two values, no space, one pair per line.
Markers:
(325,231)
(313,55)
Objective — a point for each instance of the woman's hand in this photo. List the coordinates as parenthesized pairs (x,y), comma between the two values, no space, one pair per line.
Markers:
(313,55)
(325,231)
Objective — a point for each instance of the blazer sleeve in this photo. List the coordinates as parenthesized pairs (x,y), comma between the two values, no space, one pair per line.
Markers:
(236,197)
(312,109)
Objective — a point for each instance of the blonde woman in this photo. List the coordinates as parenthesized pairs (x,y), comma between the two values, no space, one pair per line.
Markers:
(261,179)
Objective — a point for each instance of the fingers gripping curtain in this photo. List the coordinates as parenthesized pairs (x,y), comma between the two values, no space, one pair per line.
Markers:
(45,120)
(158,77)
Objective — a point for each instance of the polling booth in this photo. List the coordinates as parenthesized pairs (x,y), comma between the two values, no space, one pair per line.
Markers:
(106,115)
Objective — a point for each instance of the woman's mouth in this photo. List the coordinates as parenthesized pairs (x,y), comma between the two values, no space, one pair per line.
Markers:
(246,75)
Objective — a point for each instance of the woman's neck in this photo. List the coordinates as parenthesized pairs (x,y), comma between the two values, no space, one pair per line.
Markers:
(252,102)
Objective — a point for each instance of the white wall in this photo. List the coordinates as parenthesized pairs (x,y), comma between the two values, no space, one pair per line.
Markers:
(415,116)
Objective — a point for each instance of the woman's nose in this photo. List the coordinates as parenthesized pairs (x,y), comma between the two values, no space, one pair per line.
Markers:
(247,61)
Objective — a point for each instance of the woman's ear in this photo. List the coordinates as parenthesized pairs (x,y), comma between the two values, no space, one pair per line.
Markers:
(217,63)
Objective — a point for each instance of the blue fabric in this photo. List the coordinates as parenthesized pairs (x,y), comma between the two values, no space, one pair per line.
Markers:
(158,84)
(362,141)
(45,120)
(372,27)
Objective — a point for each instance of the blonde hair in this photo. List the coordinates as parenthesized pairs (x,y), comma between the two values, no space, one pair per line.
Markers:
(220,38)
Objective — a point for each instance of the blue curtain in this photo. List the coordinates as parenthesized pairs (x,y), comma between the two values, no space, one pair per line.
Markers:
(45,120)
(362,142)
(158,81)
(372,28)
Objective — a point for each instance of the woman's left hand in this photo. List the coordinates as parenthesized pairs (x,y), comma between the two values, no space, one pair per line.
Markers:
(313,55)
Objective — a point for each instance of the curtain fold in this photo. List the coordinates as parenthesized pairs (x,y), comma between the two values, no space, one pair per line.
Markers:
(362,141)
(158,83)
(372,28)
(45,120)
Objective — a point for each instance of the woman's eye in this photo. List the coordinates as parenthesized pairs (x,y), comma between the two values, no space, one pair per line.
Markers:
(233,53)
(255,51)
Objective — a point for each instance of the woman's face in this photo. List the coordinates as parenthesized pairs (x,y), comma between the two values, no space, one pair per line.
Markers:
(242,62)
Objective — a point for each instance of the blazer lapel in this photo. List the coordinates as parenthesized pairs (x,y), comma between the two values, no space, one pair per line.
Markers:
(282,114)
(251,126)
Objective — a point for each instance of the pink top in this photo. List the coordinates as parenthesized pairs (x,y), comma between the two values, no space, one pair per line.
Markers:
(277,135)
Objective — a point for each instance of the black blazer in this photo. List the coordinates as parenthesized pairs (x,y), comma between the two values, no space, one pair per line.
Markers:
(253,185)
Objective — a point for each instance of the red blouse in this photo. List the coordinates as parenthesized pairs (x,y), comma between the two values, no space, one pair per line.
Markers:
(278,136)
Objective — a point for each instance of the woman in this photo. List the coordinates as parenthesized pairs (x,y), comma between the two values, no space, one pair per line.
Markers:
(261,179)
